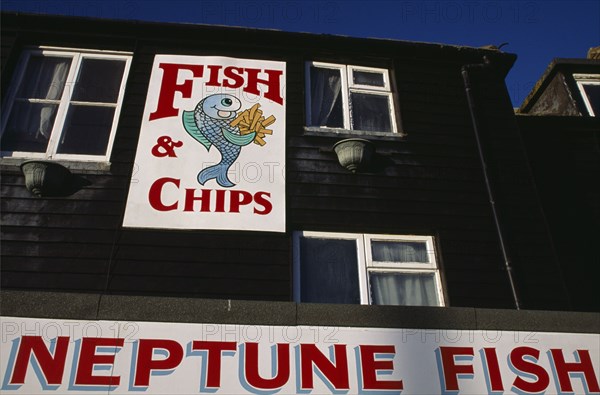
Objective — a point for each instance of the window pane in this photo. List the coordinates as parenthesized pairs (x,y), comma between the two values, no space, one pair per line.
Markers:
(370,112)
(99,80)
(86,130)
(329,271)
(326,98)
(403,289)
(29,127)
(368,78)
(399,251)
(592,91)
(44,78)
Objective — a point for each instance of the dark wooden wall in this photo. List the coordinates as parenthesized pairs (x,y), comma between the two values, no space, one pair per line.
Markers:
(564,153)
(428,182)
(540,282)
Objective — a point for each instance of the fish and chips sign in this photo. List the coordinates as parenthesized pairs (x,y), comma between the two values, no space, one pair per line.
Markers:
(211,153)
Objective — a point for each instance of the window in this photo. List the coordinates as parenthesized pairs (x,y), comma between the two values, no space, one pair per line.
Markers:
(589,86)
(366,269)
(349,97)
(64,105)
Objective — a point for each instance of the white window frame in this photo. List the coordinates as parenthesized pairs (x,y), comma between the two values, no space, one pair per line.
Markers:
(349,86)
(587,79)
(77,55)
(365,260)
(353,86)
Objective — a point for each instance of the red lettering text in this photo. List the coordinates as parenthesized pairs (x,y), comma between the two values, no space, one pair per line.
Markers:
(52,366)
(207,200)
(272,83)
(88,358)
(493,369)
(220,207)
(336,374)
(370,366)
(451,370)
(213,365)
(235,77)
(190,198)
(583,365)
(214,75)
(251,367)
(169,86)
(146,364)
(518,361)
(260,198)
(155,194)
(239,198)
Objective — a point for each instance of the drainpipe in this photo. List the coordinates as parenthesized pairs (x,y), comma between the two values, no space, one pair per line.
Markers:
(472,109)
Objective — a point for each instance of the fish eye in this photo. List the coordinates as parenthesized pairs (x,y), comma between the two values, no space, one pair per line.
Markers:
(227,102)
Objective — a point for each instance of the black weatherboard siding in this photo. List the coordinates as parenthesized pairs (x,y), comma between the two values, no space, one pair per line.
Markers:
(565,159)
(427,180)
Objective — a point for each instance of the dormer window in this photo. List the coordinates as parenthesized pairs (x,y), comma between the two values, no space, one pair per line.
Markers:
(589,87)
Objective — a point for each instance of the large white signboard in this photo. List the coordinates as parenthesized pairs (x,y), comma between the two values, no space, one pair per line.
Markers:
(211,152)
(99,357)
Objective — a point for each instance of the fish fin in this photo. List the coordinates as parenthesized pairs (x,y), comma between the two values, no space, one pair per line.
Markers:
(189,123)
(218,172)
(237,139)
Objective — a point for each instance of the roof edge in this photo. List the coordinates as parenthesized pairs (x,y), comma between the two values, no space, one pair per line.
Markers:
(555,65)
(155,25)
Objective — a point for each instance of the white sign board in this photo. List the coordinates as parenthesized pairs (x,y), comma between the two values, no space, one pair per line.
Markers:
(211,151)
(98,357)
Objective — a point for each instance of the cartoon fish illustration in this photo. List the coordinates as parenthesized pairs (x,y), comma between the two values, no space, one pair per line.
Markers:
(209,124)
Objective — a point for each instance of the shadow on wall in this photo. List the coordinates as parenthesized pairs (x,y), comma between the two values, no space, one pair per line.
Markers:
(50,179)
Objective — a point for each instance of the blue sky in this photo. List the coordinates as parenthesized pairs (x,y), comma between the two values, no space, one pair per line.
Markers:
(537,31)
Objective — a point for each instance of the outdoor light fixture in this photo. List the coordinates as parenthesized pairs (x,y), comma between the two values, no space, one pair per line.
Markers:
(354,154)
(43,178)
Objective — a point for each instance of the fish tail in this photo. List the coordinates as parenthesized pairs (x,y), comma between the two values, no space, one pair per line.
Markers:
(218,172)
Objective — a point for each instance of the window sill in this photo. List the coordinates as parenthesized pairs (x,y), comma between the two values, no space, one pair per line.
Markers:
(346,133)
(88,167)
